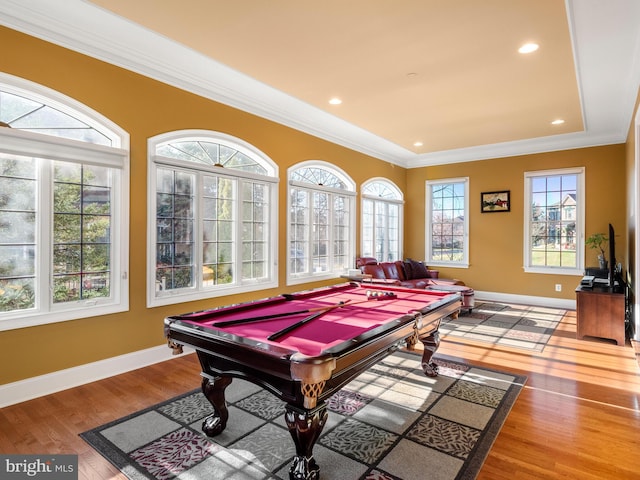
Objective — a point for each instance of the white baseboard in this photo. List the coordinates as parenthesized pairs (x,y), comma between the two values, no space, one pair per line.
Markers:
(526,300)
(22,390)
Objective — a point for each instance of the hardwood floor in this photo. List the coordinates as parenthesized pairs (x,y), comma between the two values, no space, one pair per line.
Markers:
(578,416)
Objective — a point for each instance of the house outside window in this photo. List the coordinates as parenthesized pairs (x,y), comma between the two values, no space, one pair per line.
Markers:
(554,221)
(382,217)
(321,222)
(447,207)
(64,179)
(212,208)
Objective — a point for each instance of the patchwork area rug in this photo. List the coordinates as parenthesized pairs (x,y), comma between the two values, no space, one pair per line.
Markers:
(510,325)
(390,423)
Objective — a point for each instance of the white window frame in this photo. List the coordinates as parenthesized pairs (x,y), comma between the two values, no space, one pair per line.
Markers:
(464,263)
(51,148)
(156,297)
(399,202)
(580,222)
(349,192)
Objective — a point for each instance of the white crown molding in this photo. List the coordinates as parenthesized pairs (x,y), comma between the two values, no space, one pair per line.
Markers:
(606,38)
(87,29)
(512,149)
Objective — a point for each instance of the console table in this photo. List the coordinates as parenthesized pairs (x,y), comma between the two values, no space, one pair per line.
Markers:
(600,313)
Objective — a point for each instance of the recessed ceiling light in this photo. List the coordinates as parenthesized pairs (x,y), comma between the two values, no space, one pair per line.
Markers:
(557,122)
(335,101)
(418,144)
(528,48)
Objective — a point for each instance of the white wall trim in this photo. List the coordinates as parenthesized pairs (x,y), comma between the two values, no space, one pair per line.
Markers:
(526,300)
(23,390)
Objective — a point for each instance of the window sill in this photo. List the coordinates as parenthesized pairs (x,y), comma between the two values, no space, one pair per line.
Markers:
(175,297)
(554,271)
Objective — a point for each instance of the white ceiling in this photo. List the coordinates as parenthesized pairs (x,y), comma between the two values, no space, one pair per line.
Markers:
(446,73)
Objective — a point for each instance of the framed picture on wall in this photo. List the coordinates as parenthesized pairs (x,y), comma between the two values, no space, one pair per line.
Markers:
(495,201)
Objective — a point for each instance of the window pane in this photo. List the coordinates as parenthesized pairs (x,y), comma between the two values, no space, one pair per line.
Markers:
(300,229)
(447,222)
(81,241)
(382,190)
(381,222)
(164,205)
(254,229)
(175,224)
(318,176)
(17,274)
(209,152)
(320,232)
(96,258)
(25,114)
(95,228)
(68,204)
(229,212)
(320,223)
(552,226)
(218,230)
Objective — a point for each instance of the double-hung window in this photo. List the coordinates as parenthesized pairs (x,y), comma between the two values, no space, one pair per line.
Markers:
(321,222)
(447,211)
(64,180)
(381,220)
(554,221)
(212,217)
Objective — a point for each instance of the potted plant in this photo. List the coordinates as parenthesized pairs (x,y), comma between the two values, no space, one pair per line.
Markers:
(598,241)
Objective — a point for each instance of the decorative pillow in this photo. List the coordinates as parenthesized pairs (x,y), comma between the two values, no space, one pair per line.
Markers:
(418,269)
(408,271)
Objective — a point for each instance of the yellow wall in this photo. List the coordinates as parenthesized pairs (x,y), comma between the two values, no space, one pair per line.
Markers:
(146,108)
(496,239)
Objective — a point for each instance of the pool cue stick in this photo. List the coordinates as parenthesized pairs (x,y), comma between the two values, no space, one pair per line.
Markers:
(290,328)
(239,321)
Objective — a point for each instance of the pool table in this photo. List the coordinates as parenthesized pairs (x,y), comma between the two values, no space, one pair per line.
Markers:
(303,347)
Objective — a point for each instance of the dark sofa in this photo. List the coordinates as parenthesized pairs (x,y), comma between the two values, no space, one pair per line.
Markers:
(409,273)
(414,274)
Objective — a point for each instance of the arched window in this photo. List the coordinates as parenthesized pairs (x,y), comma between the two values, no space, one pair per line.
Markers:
(64,180)
(212,216)
(382,217)
(321,222)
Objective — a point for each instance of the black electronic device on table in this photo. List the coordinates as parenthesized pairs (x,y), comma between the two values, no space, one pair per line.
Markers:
(615,277)
(606,278)
(587,281)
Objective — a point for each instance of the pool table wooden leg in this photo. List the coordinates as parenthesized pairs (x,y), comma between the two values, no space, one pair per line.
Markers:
(213,389)
(305,427)
(431,343)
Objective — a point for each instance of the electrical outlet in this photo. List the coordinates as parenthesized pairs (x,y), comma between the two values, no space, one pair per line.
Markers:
(558,287)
